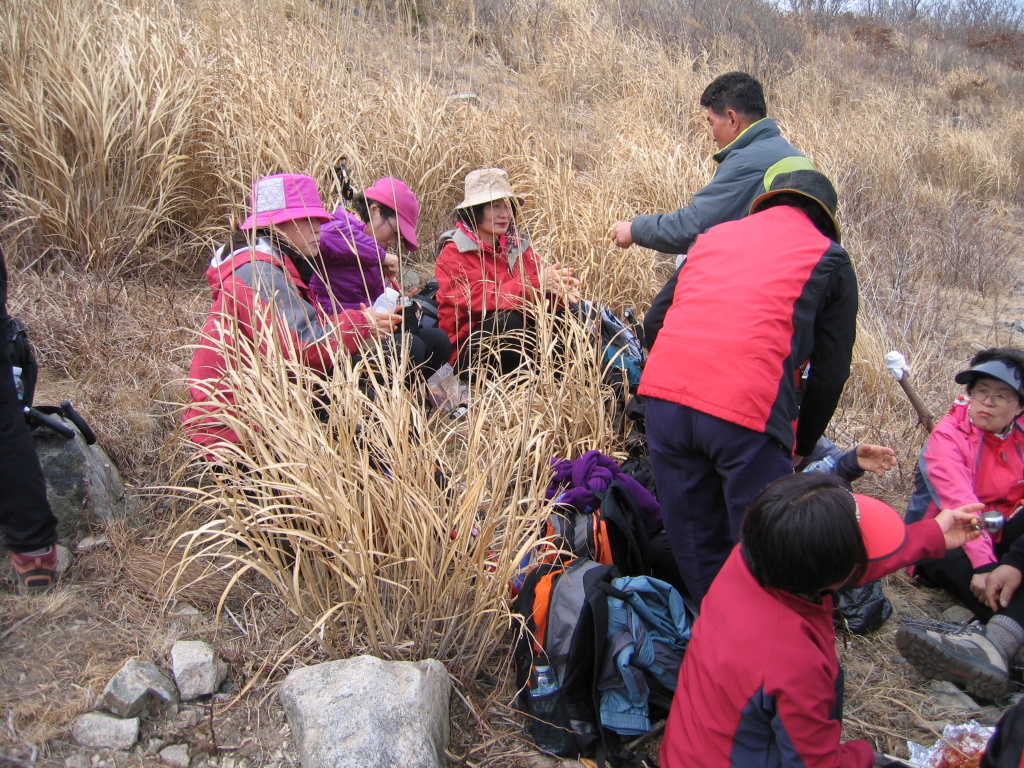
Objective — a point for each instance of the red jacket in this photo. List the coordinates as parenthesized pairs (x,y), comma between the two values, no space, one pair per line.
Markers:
(254,289)
(473,279)
(759,681)
(755,300)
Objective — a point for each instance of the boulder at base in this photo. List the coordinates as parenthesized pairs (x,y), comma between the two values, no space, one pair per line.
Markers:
(82,483)
(368,713)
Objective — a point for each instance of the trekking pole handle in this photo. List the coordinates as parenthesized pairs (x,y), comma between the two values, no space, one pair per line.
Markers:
(49,421)
(897,365)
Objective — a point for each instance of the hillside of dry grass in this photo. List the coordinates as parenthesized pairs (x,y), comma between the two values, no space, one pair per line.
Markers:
(130,133)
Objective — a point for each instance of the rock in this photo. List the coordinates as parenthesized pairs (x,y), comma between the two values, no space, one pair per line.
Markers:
(368,713)
(134,687)
(176,756)
(958,614)
(98,729)
(411,280)
(187,718)
(946,696)
(184,611)
(78,760)
(83,485)
(469,97)
(197,669)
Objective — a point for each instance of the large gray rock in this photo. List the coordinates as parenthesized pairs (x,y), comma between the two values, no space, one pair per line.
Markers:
(83,485)
(176,756)
(97,729)
(196,668)
(134,687)
(368,713)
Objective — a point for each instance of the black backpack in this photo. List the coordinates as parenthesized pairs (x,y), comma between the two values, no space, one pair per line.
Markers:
(22,356)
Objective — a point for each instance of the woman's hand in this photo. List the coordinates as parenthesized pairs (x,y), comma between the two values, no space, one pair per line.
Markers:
(875,458)
(1000,586)
(959,525)
(379,324)
(390,264)
(978,584)
(560,281)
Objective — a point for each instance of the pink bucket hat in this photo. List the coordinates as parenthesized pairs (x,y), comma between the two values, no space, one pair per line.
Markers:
(397,196)
(284,197)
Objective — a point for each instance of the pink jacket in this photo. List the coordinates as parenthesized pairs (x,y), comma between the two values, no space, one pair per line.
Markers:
(962,464)
(255,288)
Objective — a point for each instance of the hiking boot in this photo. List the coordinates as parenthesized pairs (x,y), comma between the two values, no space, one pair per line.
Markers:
(969,660)
(36,573)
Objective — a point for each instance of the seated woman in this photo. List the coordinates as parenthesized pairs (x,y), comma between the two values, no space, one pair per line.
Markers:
(357,262)
(489,278)
(759,680)
(260,282)
(976,454)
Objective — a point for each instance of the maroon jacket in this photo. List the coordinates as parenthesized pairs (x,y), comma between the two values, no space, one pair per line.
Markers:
(760,679)
(756,300)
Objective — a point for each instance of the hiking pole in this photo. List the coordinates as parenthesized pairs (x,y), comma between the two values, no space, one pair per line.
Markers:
(897,365)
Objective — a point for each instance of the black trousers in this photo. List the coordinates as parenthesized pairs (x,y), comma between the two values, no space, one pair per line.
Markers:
(25,516)
(953,573)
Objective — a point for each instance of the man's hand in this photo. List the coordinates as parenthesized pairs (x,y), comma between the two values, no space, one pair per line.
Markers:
(875,458)
(1000,586)
(622,234)
(959,525)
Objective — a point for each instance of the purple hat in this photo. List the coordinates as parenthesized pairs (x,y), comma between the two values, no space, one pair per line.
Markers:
(397,196)
(284,197)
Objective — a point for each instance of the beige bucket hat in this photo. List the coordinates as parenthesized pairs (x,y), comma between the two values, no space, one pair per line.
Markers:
(485,185)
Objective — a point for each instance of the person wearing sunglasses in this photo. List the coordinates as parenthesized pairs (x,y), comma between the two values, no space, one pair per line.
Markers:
(976,454)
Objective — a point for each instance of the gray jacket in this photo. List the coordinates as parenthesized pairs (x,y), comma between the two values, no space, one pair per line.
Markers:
(745,170)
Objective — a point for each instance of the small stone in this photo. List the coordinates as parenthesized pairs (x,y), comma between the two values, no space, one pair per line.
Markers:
(176,756)
(155,745)
(78,760)
(958,614)
(197,669)
(184,611)
(97,729)
(91,542)
(134,687)
(187,718)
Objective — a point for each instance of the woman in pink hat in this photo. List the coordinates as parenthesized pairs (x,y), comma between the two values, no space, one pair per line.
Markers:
(489,278)
(260,278)
(760,684)
(358,261)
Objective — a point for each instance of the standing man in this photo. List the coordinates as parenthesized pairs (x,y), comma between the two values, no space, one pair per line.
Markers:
(26,519)
(755,301)
(751,153)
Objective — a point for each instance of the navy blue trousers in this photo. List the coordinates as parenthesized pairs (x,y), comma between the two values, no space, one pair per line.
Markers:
(25,515)
(707,471)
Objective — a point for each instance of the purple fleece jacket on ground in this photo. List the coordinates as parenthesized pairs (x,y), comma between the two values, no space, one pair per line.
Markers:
(351,263)
(579,481)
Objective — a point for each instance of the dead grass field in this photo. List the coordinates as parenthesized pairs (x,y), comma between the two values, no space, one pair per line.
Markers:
(129,135)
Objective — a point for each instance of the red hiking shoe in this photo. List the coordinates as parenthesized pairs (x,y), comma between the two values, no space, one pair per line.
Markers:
(36,573)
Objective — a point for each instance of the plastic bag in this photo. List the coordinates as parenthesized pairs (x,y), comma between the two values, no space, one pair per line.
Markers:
(446,392)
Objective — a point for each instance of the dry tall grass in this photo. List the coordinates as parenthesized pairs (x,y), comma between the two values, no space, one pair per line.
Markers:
(130,133)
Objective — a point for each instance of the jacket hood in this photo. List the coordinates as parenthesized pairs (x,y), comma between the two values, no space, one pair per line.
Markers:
(763,128)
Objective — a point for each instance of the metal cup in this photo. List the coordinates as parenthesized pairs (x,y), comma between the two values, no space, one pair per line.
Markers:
(991,521)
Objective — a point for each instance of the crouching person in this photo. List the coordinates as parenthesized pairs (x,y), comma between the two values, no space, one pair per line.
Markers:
(260,287)
(760,684)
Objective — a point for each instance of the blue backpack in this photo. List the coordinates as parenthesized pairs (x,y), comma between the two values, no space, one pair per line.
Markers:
(621,348)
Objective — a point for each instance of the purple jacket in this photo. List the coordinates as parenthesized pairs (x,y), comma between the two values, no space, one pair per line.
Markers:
(351,263)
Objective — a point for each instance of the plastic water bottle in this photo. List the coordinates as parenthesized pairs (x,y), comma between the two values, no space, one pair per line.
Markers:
(18,383)
(546,682)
